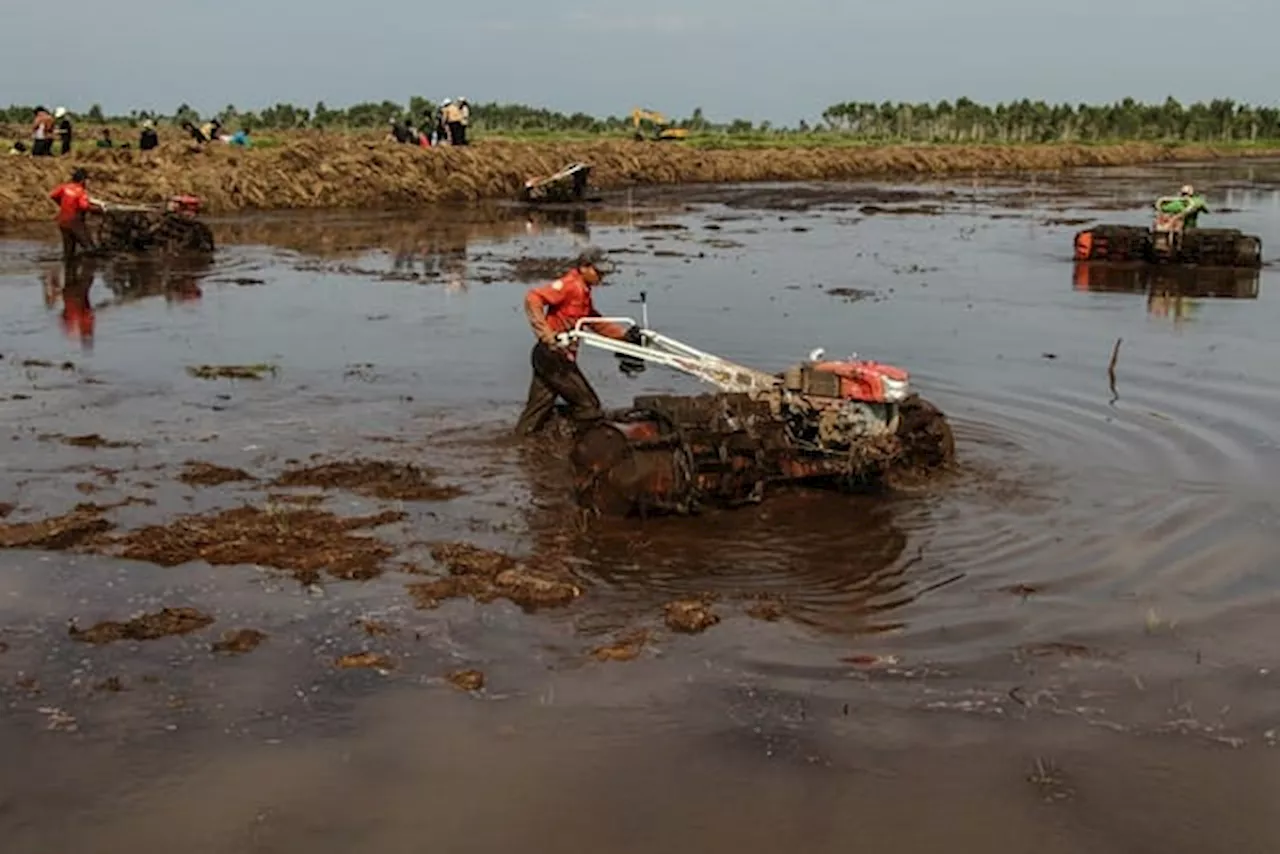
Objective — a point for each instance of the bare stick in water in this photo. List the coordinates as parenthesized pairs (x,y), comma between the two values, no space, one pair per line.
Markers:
(1111,370)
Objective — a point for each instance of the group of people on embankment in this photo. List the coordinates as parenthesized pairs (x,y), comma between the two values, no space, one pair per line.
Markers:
(447,125)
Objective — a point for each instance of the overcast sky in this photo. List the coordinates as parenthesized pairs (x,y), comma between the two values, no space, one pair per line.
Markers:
(781,60)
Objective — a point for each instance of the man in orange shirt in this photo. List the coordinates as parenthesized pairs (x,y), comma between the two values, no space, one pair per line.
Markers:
(556,308)
(72,199)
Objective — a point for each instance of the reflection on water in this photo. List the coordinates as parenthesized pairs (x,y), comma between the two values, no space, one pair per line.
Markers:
(1171,290)
(70,286)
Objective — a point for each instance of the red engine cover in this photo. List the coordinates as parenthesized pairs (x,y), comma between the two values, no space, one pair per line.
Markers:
(866,381)
(184,204)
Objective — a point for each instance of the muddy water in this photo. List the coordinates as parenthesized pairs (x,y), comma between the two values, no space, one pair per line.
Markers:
(1068,644)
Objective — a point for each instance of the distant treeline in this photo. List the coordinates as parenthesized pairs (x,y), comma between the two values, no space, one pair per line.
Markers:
(959,121)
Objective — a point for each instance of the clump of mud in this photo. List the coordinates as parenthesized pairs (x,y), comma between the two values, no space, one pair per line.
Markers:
(166,622)
(198,473)
(6,509)
(304,542)
(768,610)
(89,440)
(231,372)
(374,628)
(57,533)
(486,576)
(369,660)
(238,641)
(624,648)
(850,294)
(689,616)
(466,680)
(373,478)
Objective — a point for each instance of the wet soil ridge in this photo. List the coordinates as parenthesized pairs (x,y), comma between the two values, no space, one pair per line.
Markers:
(163,623)
(318,170)
(486,576)
(382,479)
(56,533)
(198,473)
(303,541)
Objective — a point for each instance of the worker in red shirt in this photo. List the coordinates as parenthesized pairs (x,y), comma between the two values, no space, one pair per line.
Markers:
(555,308)
(72,199)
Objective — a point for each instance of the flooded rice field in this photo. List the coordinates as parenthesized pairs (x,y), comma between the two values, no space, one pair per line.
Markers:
(276,576)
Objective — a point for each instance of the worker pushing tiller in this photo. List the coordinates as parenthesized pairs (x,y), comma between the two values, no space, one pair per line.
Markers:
(849,423)
(172,227)
(554,310)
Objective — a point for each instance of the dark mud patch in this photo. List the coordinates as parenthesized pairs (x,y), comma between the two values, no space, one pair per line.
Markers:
(88,440)
(304,542)
(466,680)
(242,281)
(56,533)
(198,473)
(110,685)
(625,648)
(901,210)
(486,576)
(538,269)
(6,509)
(365,660)
(44,363)
(295,499)
(373,478)
(375,628)
(850,294)
(662,226)
(231,372)
(163,623)
(766,610)
(1068,220)
(238,642)
(689,616)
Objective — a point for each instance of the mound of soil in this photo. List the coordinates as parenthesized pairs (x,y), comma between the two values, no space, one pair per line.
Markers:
(318,170)
(197,473)
(373,478)
(168,621)
(690,616)
(624,648)
(57,533)
(302,541)
(486,575)
(369,660)
(466,680)
(238,641)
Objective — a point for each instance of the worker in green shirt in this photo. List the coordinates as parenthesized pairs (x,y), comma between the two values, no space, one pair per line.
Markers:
(1186,204)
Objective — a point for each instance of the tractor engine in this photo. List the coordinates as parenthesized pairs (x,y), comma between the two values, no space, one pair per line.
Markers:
(833,406)
(838,423)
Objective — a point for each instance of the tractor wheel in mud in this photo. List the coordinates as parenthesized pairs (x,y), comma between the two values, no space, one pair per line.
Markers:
(925,438)
(1113,243)
(177,234)
(1220,247)
(124,232)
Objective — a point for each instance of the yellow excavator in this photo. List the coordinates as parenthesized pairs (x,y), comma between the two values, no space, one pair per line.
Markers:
(657,127)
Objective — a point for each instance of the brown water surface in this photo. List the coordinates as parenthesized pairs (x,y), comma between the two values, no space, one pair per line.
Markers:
(1068,645)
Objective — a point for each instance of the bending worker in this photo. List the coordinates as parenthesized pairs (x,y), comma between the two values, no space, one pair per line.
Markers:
(72,199)
(555,308)
(1186,204)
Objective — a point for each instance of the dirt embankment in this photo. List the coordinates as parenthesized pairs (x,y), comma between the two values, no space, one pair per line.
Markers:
(316,170)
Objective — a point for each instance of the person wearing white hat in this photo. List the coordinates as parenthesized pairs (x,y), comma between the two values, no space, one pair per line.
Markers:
(1186,205)
(64,129)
